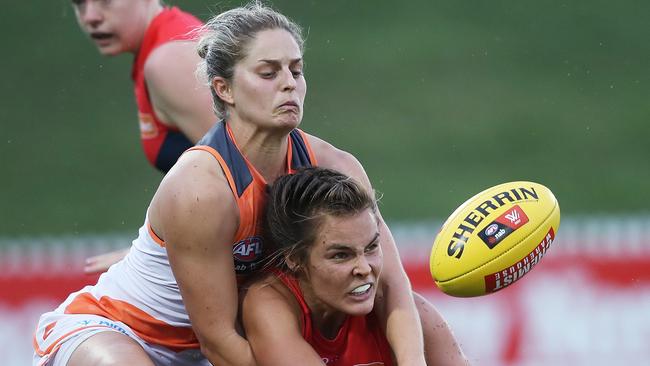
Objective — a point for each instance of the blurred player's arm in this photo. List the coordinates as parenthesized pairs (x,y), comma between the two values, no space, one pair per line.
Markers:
(177,96)
(101,263)
(273,329)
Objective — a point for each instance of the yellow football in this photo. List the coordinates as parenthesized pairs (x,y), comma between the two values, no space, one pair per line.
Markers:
(494,238)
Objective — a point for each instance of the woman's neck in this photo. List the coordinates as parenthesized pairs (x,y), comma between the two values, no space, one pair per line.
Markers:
(325,319)
(264,148)
(152,11)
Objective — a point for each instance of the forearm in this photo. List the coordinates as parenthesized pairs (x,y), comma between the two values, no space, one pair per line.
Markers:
(401,318)
(230,349)
(402,322)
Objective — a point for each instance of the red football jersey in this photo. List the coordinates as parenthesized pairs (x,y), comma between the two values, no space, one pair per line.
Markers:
(162,144)
(360,340)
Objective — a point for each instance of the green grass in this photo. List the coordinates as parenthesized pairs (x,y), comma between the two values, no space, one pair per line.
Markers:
(438,100)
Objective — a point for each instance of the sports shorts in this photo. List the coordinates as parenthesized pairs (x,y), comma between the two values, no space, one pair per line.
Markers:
(58,335)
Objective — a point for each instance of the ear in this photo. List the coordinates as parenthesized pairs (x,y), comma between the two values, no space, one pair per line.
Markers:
(222,87)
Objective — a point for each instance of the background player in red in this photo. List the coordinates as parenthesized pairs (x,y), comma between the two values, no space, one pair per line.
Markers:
(174,109)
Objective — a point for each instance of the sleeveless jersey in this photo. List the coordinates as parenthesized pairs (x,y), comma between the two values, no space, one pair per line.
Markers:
(141,291)
(162,144)
(360,341)
(249,189)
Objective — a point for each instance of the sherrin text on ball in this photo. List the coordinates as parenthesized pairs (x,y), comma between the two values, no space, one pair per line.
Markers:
(494,238)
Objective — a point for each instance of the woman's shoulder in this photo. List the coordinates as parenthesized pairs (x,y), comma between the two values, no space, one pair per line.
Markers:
(195,186)
(340,160)
(269,290)
(327,154)
(197,170)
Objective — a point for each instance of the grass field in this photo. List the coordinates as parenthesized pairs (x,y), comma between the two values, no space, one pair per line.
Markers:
(437,99)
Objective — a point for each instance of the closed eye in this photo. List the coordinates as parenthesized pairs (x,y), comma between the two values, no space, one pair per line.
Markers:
(268,75)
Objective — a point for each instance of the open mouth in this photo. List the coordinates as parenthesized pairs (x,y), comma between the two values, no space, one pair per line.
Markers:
(361,290)
(101,36)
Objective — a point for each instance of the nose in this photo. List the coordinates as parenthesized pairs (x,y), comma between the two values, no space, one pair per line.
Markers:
(362,267)
(90,13)
(288,81)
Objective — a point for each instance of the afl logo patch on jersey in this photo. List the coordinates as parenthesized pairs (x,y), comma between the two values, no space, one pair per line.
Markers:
(248,250)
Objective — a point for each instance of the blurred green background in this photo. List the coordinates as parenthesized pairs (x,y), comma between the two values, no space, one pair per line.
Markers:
(438,99)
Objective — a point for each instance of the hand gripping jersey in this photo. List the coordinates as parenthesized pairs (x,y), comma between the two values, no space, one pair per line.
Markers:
(140,291)
(360,340)
(162,144)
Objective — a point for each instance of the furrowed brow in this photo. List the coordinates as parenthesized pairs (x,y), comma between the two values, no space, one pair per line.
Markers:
(348,247)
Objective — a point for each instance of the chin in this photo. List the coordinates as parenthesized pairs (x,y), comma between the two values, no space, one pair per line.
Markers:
(289,120)
(109,51)
(113,48)
(360,309)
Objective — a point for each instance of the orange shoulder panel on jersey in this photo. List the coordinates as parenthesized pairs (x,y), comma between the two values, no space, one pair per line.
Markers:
(249,189)
(247,185)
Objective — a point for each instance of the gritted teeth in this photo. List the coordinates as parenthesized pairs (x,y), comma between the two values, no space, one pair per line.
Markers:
(361,289)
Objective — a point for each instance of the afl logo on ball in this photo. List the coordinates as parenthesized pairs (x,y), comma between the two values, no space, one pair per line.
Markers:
(247,250)
(491,230)
(505,224)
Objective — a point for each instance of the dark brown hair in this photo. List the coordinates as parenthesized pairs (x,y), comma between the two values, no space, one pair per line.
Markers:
(298,204)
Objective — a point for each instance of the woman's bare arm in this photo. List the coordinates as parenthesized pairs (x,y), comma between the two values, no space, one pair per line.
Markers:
(195,213)
(272,323)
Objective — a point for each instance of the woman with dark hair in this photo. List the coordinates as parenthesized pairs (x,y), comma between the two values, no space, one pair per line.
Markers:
(320,291)
(318,294)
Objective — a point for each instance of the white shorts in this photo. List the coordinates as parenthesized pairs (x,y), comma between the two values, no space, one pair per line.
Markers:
(58,335)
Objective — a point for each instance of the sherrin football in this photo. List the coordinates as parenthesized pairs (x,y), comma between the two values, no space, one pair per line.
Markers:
(494,239)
